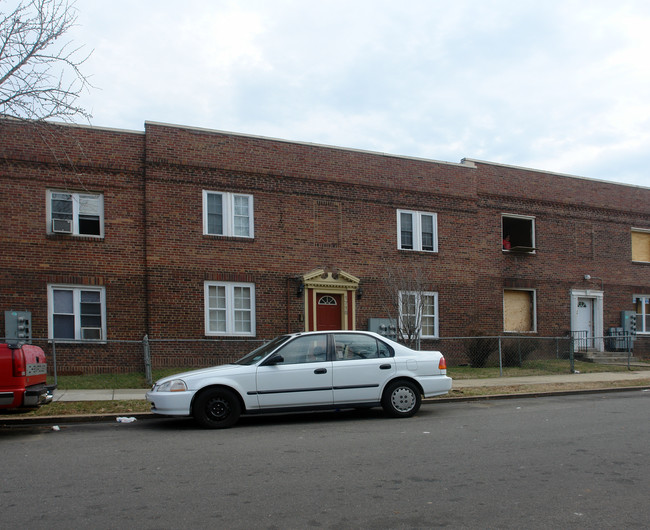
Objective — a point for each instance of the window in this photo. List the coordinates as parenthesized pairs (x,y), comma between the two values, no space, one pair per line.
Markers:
(519,310)
(640,245)
(229,308)
(642,313)
(349,346)
(518,233)
(227,214)
(76,313)
(305,349)
(417,231)
(79,214)
(418,314)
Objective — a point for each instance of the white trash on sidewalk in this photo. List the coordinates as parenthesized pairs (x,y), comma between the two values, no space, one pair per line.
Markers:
(124,419)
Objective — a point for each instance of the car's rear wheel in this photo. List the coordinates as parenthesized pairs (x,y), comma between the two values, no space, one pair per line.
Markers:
(216,408)
(401,399)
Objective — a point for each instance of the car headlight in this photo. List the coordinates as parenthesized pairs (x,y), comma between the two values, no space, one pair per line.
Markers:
(175,385)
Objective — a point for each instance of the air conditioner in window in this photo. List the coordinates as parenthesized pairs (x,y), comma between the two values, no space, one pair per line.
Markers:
(91,333)
(62,226)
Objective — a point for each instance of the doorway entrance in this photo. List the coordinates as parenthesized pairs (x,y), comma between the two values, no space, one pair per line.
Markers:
(587,319)
(328,312)
(585,323)
(330,300)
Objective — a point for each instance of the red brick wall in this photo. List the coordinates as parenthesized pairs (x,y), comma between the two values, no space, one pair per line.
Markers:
(38,157)
(314,207)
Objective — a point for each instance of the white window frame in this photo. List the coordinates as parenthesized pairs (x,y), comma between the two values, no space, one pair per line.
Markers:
(229,214)
(418,297)
(76,302)
(533,315)
(229,308)
(533,229)
(76,201)
(641,318)
(417,230)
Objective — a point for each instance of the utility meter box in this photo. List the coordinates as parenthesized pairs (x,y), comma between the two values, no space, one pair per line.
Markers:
(18,326)
(384,326)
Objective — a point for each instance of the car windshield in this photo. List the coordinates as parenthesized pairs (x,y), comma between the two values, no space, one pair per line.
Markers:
(259,353)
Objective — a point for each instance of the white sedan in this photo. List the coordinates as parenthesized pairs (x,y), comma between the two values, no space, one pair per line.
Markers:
(306,371)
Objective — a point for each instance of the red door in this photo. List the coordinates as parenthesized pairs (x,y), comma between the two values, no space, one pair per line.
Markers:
(328,312)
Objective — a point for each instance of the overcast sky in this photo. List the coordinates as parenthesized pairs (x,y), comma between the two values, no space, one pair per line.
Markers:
(562,86)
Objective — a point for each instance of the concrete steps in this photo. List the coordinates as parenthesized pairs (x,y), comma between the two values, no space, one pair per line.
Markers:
(605,357)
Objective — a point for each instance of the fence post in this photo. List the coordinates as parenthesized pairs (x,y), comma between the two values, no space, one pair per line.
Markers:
(572,368)
(500,360)
(629,351)
(147,360)
(56,377)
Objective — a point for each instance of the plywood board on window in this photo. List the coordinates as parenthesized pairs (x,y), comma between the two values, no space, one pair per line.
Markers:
(518,310)
(641,246)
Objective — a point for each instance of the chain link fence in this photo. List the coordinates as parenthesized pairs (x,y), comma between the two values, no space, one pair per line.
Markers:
(555,354)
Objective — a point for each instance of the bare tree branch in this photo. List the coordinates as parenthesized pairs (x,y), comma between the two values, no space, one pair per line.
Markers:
(405,288)
(40,72)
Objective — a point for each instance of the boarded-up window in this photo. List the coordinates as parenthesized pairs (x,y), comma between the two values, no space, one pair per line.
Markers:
(640,245)
(518,310)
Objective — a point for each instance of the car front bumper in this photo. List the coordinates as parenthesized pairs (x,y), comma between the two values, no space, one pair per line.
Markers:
(170,403)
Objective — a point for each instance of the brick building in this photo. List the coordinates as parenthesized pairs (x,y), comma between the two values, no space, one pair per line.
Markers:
(182,233)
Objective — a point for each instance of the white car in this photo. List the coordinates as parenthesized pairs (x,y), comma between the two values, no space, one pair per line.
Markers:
(306,371)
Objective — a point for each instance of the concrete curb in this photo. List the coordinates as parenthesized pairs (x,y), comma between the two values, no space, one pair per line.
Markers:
(99,418)
(73,418)
(549,393)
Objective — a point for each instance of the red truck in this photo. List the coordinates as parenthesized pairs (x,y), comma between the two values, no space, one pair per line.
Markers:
(23,373)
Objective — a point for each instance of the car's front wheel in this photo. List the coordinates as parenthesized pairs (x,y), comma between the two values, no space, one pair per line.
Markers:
(216,408)
(401,399)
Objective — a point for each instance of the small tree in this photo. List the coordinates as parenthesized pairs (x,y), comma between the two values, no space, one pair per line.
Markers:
(406,300)
(40,75)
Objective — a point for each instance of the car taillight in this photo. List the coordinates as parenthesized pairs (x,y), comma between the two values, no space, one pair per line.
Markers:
(442,364)
(18,361)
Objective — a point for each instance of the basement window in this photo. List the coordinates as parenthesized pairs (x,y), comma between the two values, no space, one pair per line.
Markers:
(518,233)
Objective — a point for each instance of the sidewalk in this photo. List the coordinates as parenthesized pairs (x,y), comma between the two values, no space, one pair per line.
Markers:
(458,384)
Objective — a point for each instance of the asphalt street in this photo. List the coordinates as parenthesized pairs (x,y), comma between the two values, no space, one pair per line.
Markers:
(552,462)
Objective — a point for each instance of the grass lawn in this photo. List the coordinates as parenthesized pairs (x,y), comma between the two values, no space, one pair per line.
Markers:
(548,367)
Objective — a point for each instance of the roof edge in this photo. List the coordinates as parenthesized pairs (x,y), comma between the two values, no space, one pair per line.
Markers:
(467,163)
(553,173)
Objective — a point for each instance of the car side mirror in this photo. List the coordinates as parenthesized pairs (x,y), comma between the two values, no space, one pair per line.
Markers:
(275,359)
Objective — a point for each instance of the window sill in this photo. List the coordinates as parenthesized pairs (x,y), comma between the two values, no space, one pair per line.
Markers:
(230,238)
(529,251)
(236,336)
(428,252)
(79,342)
(74,237)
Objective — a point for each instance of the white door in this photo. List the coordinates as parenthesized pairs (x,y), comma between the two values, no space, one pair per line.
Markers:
(362,365)
(584,323)
(302,378)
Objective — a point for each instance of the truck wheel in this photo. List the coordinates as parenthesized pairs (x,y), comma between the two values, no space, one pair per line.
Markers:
(217,408)
(401,399)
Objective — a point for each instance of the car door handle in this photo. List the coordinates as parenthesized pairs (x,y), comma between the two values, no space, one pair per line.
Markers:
(384,366)
(320,371)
